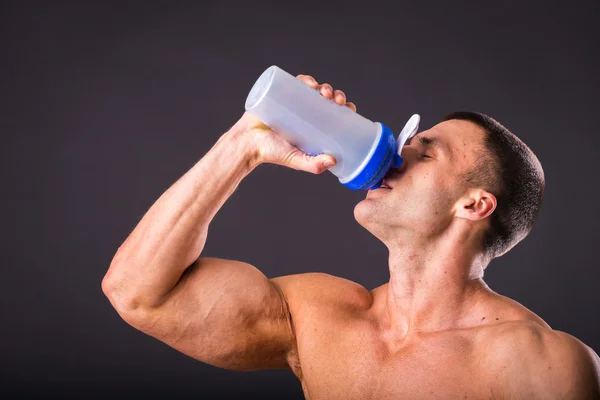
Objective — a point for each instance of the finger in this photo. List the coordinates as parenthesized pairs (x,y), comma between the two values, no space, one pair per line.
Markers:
(313,164)
(339,97)
(309,80)
(326,90)
(351,106)
(324,162)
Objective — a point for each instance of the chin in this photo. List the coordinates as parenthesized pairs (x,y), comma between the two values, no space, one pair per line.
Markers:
(364,211)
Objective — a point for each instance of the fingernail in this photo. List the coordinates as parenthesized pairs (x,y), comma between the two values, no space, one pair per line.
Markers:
(328,163)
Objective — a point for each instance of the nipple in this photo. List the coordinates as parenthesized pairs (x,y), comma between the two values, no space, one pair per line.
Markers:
(409,130)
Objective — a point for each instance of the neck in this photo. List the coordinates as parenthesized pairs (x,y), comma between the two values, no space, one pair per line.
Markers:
(434,284)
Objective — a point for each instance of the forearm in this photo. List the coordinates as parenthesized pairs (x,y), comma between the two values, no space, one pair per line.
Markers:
(172,234)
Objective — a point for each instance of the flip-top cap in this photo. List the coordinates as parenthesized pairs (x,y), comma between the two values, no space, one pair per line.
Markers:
(385,156)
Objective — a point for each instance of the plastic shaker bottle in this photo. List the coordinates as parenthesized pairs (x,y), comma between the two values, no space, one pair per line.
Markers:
(364,150)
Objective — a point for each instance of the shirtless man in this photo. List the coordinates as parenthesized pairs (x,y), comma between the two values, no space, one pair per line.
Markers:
(434,331)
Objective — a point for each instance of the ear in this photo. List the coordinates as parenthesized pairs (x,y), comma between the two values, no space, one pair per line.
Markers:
(475,205)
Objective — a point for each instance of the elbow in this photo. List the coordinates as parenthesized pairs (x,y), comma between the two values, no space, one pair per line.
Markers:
(125,301)
(112,282)
(111,285)
(107,286)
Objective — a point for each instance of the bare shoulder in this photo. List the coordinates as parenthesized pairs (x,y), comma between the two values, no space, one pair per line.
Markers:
(316,298)
(321,289)
(510,310)
(536,361)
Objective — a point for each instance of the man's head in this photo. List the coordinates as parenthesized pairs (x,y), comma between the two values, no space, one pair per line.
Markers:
(468,177)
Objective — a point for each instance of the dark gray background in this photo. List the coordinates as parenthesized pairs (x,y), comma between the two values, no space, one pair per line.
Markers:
(104,106)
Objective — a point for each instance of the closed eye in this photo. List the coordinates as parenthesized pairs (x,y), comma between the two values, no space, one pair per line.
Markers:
(425,156)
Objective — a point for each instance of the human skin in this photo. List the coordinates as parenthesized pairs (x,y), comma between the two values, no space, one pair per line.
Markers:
(435,330)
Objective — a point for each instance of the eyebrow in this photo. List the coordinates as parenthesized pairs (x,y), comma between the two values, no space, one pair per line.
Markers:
(435,142)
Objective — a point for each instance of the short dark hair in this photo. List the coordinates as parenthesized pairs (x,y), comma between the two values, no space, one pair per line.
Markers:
(509,170)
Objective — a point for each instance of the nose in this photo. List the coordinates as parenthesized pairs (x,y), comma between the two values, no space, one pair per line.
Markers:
(394,172)
(402,166)
(407,154)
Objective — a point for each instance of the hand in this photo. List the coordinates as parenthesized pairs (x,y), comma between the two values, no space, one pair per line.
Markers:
(269,147)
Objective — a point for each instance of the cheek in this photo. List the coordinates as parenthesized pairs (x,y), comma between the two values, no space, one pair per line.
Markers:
(426,182)
(429,190)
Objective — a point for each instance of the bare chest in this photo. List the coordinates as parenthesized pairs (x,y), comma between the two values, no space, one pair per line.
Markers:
(347,359)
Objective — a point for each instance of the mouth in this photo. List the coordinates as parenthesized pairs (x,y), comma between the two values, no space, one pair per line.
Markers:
(385,185)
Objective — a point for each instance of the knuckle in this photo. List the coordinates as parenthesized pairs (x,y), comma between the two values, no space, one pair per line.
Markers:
(305,78)
(309,80)
(326,88)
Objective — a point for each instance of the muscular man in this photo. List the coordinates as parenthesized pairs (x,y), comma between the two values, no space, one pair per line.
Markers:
(467,192)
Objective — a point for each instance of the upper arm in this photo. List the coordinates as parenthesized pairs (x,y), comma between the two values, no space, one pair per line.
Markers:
(227,314)
(576,368)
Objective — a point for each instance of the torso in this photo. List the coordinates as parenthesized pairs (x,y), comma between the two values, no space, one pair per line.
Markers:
(342,353)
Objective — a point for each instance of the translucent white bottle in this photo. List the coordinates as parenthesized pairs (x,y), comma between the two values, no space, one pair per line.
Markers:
(364,150)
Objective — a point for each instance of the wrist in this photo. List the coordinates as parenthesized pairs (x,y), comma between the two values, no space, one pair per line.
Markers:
(241,142)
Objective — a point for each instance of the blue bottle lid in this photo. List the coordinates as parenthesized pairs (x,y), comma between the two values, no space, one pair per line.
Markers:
(385,156)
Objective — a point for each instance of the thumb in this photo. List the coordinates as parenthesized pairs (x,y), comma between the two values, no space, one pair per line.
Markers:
(313,164)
